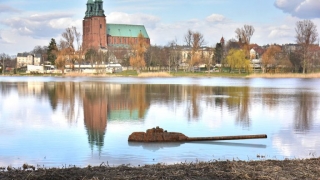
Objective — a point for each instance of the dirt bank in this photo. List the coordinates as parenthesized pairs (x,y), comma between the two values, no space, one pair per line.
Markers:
(267,169)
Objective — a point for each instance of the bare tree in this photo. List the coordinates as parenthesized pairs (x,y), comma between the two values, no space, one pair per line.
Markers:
(208,58)
(232,44)
(197,41)
(244,34)
(188,37)
(306,37)
(153,56)
(41,51)
(90,55)
(269,57)
(62,55)
(68,36)
(4,59)
(77,36)
(174,55)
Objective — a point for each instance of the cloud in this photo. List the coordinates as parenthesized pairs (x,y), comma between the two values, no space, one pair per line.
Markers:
(12,41)
(39,28)
(215,18)
(49,16)
(280,32)
(7,9)
(300,8)
(41,25)
(213,27)
(124,18)
(304,147)
(4,39)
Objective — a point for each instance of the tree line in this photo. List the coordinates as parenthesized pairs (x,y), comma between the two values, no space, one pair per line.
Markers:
(232,55)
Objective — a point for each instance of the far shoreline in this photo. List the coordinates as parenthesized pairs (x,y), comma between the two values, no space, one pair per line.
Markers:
(175,75)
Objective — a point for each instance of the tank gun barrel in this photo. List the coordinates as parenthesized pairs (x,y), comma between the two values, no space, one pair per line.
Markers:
(217,138)
(159,135)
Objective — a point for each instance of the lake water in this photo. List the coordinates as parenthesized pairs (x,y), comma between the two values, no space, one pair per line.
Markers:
(57,122)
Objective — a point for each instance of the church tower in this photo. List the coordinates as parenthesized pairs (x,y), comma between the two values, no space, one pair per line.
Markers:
(222,41)
(94,26)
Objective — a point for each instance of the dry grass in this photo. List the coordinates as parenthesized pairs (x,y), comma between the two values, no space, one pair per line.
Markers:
(80,74)
(148,74)
(287,75)
(263,170)
(77,74)
(155,74)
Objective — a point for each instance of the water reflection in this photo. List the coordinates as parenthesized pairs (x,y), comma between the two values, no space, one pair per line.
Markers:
(128,102)
(232,144)
(121,102)
(158,146)
(95,110)
(98,114)
(63,93)
(155,146)
(304,111)
(304,103)
(240,102)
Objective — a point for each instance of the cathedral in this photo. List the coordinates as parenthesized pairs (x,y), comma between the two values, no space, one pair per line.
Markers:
(99,34)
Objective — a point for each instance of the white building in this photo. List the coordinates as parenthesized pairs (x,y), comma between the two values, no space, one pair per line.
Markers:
(24,59)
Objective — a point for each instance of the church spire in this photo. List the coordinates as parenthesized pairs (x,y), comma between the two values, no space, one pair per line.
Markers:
(90,7)
(98,8)
(94,8)
(222,40)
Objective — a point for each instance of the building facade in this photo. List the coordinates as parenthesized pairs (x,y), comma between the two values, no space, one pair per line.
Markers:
(24,59)
(98,34)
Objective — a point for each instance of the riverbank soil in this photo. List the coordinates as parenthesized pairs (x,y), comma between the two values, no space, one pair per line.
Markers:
(266,169)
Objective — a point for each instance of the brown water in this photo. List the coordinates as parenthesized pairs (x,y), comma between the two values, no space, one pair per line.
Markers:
(79,121)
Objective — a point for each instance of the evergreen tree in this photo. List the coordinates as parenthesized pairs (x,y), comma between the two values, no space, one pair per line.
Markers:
(52,51)
(218,53)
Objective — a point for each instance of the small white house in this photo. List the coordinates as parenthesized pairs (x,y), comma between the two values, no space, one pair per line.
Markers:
(113,68)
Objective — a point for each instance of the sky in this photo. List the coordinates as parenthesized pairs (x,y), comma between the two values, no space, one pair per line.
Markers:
(25,24)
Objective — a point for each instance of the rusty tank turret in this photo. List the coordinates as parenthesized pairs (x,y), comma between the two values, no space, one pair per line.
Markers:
(159,135)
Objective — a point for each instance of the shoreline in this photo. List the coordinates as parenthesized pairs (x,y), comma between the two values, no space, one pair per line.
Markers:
(259,169)
(175,75)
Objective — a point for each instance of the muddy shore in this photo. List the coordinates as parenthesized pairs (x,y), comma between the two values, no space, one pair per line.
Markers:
(264,169)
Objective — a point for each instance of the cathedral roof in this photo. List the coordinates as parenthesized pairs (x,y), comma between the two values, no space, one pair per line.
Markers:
(126,30)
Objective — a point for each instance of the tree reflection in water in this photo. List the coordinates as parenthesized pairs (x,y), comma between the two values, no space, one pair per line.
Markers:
(239,101)
(304,111)
(104,102)
(64,93)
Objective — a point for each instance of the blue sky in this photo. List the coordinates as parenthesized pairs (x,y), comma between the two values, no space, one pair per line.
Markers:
(27,23)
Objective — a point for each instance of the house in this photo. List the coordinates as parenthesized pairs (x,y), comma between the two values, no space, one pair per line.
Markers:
(24,59)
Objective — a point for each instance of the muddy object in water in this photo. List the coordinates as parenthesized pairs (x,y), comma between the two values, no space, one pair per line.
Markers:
(159,135)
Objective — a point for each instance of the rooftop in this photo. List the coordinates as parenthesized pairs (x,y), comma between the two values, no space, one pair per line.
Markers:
(126,30)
